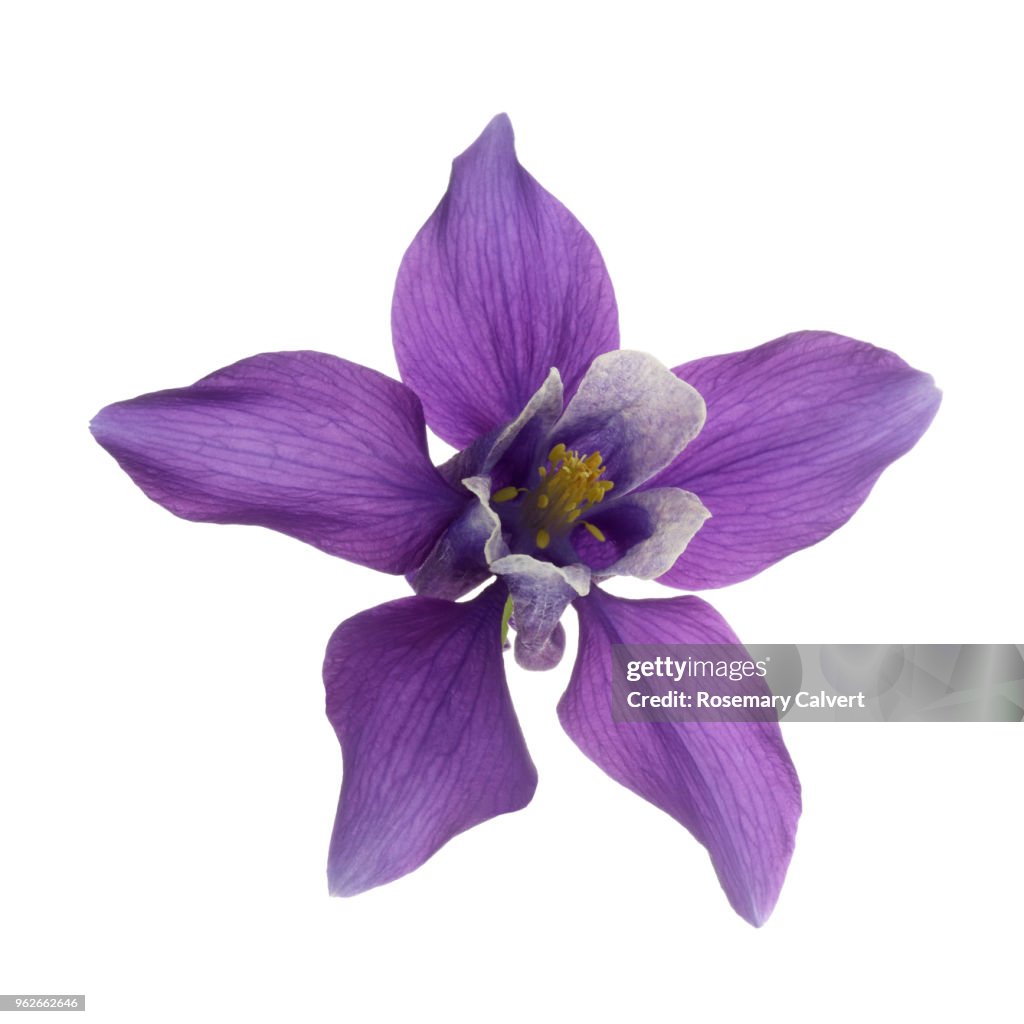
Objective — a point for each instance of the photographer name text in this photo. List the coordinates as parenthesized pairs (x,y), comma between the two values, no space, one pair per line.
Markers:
(719,701)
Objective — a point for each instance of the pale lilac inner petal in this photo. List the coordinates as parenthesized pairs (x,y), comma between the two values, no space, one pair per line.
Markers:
(460,560)
(633,410)
(540,593)
(514,445)
(648,529)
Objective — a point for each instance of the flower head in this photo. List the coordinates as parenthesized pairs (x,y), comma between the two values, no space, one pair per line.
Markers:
(577,461)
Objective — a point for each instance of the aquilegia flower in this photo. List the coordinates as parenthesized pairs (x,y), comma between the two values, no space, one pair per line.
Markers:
(577,462)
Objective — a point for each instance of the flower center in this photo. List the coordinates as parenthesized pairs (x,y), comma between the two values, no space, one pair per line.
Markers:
(569,485)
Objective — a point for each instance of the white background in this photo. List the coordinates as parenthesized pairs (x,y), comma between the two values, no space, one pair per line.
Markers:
(186,184)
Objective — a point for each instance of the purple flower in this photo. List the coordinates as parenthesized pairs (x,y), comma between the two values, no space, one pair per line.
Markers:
(577,461)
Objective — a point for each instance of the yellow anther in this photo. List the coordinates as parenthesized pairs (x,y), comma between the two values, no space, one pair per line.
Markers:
(506,494)
(566,486)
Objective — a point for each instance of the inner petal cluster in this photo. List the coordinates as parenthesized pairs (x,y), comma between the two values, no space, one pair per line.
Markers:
(569,485)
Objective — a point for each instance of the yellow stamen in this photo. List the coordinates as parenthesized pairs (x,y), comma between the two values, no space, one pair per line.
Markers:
(566,487)
(506,494)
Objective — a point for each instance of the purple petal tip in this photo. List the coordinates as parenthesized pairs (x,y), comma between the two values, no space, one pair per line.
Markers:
(497,142)
(499,128)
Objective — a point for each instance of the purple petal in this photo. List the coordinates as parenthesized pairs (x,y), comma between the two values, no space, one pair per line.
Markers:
(644,532)
(431,745)
(308,444)
(501,284)
(731,784)
(798,431)
(540,592)
(635,412)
